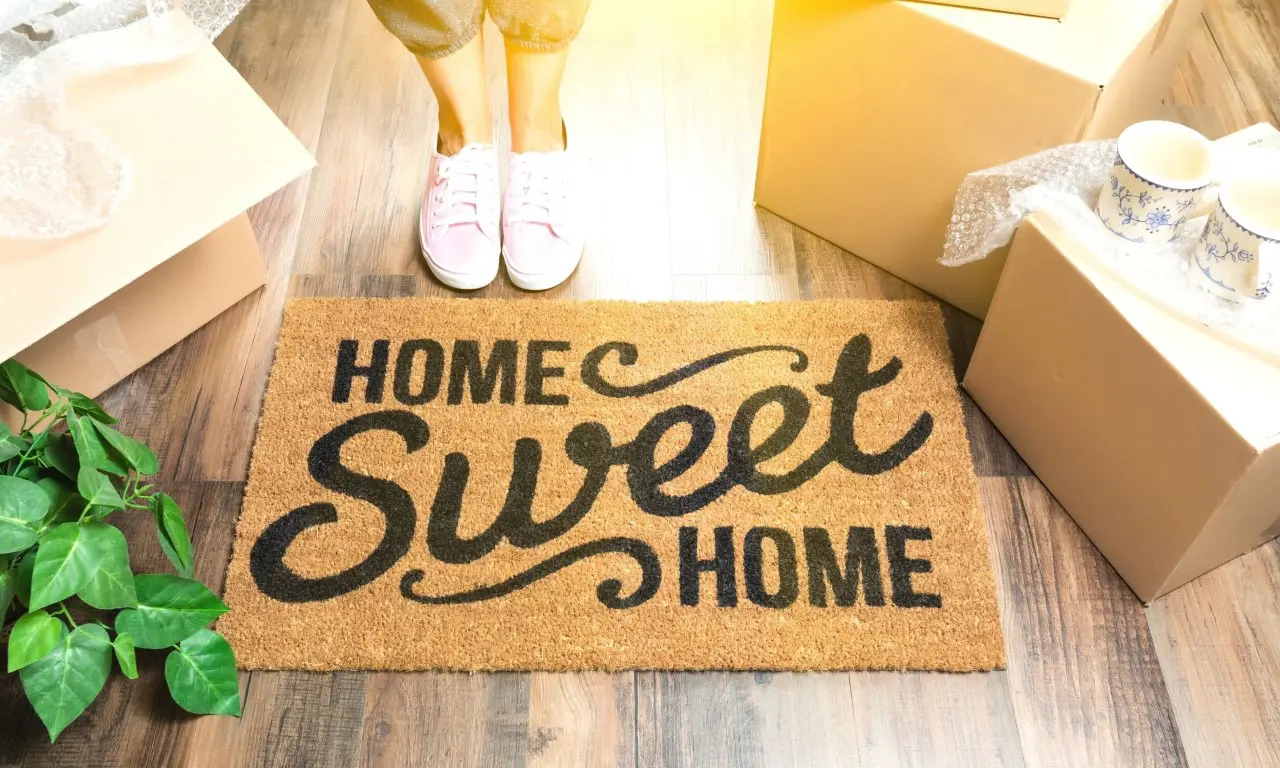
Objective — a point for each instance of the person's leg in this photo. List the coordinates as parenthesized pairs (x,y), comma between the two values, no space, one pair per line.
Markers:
(533,95)
(458,82)
(537,35)
(543,225)
(459,228)
(444,35)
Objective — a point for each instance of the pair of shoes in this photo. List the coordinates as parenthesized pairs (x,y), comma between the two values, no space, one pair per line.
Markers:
(541,229)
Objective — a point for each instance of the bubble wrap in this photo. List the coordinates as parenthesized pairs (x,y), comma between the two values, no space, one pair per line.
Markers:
(59,175)
(1065,182)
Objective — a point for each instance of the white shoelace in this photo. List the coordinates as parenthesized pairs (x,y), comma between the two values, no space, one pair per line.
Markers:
(540,181)
(459,181)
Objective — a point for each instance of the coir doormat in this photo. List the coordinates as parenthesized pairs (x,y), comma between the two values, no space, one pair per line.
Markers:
(477,485)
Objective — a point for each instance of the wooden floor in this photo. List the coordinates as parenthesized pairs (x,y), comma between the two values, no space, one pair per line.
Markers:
(665,97)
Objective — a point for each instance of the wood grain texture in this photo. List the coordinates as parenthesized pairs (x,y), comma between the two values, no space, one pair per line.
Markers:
(584,719)
(1219,644)
(1083,675)
(663,100)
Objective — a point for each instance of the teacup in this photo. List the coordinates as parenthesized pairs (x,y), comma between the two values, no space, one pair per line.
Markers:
(1238,256)
(1158,181)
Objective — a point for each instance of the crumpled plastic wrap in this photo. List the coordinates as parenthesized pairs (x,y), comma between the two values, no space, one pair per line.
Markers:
(1065,182)
(59,175)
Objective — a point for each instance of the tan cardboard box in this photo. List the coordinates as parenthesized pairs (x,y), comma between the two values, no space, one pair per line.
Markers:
(875,111)
(1054,9)
(88,310)
(1161,438)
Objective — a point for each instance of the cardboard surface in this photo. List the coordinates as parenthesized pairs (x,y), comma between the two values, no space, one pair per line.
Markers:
(875,111)
(1158,437)
(1055,9)
(204,148)
(130,328)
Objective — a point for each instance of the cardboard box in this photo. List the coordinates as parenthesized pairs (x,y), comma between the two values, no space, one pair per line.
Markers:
(1054,9)
(875,111)
(1160,437)
(88,310)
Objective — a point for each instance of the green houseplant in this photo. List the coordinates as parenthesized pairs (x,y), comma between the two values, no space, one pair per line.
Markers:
(70,603)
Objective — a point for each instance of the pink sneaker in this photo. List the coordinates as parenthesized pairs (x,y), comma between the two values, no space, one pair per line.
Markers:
(458,226)
(542,224)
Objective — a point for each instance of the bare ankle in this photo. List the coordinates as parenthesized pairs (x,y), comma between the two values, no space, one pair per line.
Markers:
(543,135)
(451,144)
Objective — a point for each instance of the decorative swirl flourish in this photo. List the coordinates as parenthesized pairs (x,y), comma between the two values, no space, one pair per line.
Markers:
(609,591)
(628,355)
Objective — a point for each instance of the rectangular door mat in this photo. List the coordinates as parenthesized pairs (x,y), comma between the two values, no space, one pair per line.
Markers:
(537,485)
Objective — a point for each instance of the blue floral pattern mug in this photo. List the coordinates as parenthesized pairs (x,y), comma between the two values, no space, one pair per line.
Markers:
(1159,180)
(1238,256)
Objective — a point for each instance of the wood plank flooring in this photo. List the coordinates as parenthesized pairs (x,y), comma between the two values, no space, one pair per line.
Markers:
(664,98)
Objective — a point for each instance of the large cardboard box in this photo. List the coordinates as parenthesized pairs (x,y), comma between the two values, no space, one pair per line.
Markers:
(88,310)
(876,110)
(1159,436)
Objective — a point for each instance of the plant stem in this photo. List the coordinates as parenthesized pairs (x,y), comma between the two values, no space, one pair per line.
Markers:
(26,457)
(46,413)
(62,608)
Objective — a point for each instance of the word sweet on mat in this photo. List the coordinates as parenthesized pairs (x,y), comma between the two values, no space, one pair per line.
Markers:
(481,485)
(590,446)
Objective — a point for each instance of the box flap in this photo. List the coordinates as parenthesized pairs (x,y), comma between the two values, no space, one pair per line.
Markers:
(1092,41)
(203,148)
(1055,9)
(1241,384)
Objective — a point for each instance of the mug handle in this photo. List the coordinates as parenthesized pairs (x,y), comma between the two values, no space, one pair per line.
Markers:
(1268,267)
(1207,201)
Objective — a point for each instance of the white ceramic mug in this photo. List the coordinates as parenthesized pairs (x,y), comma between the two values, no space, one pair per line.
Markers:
(1158,181)
(1238,256)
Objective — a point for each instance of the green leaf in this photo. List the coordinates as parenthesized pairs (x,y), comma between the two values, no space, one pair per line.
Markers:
(65,682)
(91,450)
(68,558)
(21,388)
(65,504)
(83,405)
(30,473)
(170,609)
(123,646)
(22,581)
(22,503)
(201,675)
(112,584)
(8,587)
(10,444)
(34,635)
(15,537)
(97,490)
(137,454)
(60,453)
(172,532)
(22,500)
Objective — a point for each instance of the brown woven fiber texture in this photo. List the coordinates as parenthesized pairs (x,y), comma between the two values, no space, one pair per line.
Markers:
(544,485)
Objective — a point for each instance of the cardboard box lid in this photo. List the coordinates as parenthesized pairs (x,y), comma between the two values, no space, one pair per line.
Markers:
(1241,384)
(1092,41)
(204,148)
